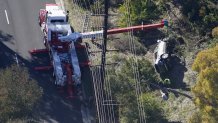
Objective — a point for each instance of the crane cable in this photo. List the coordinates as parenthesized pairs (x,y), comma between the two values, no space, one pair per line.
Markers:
(135,68)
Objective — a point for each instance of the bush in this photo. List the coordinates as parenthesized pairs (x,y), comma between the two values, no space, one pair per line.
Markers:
(206,88)
(203,13)
(195,118)
(215,32)
(135,12)
(116,3)
(83,3)
(18,93)
(123,89)
(213,42)
(98,7)
(129,111)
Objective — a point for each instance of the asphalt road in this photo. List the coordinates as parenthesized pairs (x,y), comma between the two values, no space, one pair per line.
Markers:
(19,19)
(20,32)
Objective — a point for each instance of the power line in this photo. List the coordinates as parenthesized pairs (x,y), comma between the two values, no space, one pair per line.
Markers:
(135,68)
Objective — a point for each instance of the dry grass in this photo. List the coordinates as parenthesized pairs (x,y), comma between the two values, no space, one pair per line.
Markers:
(76,15)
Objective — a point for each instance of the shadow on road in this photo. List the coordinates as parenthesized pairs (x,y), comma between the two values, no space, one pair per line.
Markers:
(7,56)
(4,37)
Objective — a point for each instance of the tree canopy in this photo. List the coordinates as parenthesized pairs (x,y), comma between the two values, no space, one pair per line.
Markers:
(18,93)
(137,11)
(215,32)
(206,88)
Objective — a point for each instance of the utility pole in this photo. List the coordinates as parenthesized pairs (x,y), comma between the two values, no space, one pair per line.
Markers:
(104,43)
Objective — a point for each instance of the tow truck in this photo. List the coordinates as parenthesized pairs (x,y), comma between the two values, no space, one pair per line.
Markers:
(61,42)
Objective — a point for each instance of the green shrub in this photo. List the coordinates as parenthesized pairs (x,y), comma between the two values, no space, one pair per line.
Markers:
(215,32)
(18,93)
(206,88)
(137,11)
(123,89)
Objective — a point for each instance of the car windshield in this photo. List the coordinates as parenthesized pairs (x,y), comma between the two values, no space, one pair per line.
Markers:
(53,21)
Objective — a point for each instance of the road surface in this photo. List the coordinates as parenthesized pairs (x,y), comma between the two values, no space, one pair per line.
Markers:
(19,19)
(19,32)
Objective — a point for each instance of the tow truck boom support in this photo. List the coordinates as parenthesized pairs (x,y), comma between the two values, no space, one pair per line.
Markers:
(137,28)
(94,34)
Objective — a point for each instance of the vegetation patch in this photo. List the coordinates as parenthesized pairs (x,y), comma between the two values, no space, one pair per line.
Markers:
(206,88)
(123,89)
(18,93)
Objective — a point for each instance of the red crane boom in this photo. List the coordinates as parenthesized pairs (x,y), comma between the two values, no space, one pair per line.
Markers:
(136,28)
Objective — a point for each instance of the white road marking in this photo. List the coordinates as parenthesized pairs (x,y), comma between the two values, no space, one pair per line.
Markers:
(6,14)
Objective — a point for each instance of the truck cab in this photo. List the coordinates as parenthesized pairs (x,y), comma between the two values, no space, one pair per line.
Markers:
(52,14)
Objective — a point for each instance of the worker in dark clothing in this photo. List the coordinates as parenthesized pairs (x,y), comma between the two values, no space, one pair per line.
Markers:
(67,16)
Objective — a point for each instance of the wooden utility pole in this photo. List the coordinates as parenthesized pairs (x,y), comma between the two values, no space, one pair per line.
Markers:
(104,43)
